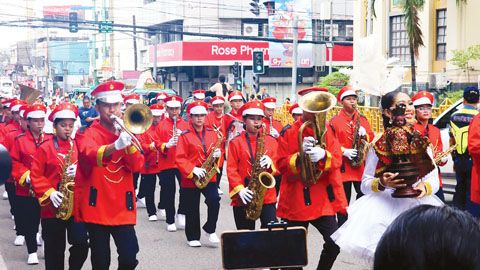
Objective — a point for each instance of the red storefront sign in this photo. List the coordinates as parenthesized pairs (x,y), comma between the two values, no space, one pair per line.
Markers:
(341,53)
(208,51)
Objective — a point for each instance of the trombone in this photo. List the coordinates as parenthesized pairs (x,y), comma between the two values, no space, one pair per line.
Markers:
(137,119)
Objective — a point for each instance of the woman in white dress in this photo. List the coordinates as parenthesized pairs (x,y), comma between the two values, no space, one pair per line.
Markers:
(369,216)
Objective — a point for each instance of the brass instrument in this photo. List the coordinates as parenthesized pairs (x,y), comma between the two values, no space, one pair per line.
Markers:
(66,187)
(137,118)
(318,103)
(271,124)
(210,164)
(260,181)
(439,157)
(359,143)
(174,131)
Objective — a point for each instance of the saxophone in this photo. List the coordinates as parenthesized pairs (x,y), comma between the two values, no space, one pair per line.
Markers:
(66,186)
(260,181)
(359,143)
(210,164)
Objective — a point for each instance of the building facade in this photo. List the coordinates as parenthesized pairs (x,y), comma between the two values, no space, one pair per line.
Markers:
(446,26)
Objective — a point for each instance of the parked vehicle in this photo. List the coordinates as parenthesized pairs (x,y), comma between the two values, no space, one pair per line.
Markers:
(6,87)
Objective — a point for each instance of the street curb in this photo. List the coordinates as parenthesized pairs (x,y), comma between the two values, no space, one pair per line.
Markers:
(2,262)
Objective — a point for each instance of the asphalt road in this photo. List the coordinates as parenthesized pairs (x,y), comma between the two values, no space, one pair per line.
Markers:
(160,249)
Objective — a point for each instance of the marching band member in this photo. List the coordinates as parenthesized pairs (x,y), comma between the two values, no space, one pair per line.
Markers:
(104,195)
(301,205)
(27,209)
(160,97)
(49,169)
(273,126)
(14,123)
(216,118)
(195,145)
(423,103)
(8,142)
(348,125)
(296,112)
(198,95)
(167,132)
(131,99)
(236,101)
(151,167)
(53,103)
(242,153)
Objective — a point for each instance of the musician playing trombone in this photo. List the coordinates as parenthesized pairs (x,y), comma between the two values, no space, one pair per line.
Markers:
(55,162)
(316,199)
(351,128)
(242,158)
(104,192)
(199,145)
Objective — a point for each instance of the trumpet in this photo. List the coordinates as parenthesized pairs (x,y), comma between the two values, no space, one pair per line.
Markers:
(137,118)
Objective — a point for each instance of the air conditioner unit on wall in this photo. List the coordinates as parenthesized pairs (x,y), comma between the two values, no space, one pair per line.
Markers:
(250,29)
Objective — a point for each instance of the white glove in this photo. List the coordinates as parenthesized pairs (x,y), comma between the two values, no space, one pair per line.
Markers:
(265,162)
(123,141)
(362,132)
(199,172)
(56,198)
(172,142)
(274,133)
(217,153)
(117,120)
(350,153)
(246,195)
(308,142)
(444,160)
(179,132)
(72,170)
(27,180)
(315,153)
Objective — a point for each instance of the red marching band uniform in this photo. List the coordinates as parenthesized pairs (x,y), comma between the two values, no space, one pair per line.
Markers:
(47,172)
(301,205)
(192,150)
(242,153)
(168,169)
(104,194)
(344,126)
(151,167)
(474,150)
(270,103)
(27,209)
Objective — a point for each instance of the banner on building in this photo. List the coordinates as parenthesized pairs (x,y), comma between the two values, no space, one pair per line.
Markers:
(281,25)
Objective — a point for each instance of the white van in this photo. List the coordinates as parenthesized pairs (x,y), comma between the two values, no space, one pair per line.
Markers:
(6,88)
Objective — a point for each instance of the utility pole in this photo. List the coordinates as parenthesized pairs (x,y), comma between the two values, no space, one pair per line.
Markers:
(135,57)
(331,39)
(155,42)
(293,92)
(95,78)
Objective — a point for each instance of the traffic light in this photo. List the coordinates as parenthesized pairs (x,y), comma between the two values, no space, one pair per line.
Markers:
(256,83)
(73,26)
(238,84)
(255,7)
(236,70)
(257,58)
(299,78)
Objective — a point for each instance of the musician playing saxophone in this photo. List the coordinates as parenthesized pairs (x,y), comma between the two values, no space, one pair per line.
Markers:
(423,103)
(196,146)
(27,209)
(240,161)
(49,169)
(300,204)
(351,129)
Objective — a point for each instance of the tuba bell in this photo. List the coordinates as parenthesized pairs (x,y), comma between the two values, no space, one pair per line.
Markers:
(318,103)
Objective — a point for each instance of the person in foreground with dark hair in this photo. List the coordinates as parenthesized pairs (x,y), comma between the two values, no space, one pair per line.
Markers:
(429,237)
(386,192)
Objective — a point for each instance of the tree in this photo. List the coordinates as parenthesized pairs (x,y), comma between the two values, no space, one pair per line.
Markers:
(334,82)
(461,58)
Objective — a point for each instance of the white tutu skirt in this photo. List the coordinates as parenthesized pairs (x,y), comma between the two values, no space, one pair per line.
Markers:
(369,217)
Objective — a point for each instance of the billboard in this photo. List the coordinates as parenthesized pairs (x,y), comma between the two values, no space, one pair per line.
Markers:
(281,25)
(61,12)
